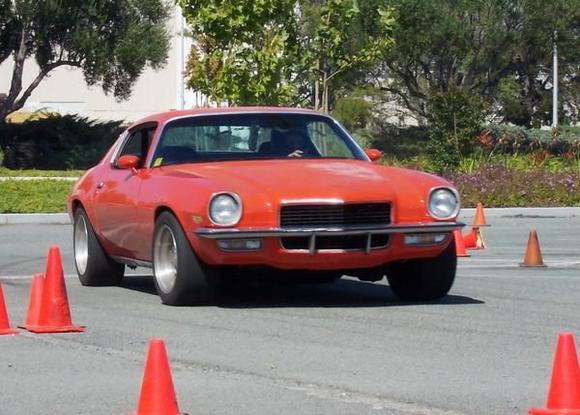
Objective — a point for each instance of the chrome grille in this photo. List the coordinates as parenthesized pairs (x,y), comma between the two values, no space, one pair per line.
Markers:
(349,214)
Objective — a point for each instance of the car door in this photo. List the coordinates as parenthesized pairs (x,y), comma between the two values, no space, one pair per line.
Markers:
(116,198)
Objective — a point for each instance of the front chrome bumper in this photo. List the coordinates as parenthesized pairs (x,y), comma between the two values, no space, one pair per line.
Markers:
(241,233)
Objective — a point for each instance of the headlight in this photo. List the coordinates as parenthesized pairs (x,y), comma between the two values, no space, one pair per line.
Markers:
(225,209)
(443,203)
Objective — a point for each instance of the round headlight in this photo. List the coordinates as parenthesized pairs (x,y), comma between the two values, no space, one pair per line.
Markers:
(443,204)
(225,209)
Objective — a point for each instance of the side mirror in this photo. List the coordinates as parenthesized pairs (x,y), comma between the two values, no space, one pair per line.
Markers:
(128,161)
(373,154)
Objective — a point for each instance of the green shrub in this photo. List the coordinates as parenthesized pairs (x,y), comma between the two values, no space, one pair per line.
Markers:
(400,142)
(353,112)
(564,141)
(58,142)
(456,115)
(34,196)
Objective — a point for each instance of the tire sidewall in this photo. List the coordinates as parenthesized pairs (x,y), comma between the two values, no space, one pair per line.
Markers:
(195,283)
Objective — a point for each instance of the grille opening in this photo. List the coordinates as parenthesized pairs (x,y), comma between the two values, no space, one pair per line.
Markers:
(354,242)
(350,214)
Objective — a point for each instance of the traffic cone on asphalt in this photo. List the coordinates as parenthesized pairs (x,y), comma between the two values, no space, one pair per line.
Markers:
(34,300)
(564,393)
(157,393)
(474,239)
(533,255)
(459,244)
(54,313)
(479,219)
(4,321)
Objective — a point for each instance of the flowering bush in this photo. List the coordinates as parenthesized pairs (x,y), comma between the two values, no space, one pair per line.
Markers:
(564,141)
(501,186)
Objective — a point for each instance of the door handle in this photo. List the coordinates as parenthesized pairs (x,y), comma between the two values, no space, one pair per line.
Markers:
(100,185)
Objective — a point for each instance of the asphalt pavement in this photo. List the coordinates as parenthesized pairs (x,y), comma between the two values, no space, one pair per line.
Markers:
(342,348)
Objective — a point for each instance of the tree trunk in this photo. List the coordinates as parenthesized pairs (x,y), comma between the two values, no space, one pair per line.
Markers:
(7,105)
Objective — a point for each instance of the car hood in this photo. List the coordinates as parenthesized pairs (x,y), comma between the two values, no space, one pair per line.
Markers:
(296,179)
(269,183)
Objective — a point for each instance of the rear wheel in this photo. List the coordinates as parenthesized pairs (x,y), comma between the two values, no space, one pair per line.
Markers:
(424,279)
(180,277)
(94,266)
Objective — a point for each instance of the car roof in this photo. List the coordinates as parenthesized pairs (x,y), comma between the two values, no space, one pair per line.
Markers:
(163,117)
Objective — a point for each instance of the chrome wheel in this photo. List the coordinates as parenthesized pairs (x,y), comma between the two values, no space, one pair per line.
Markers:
(81,244)
(165,259)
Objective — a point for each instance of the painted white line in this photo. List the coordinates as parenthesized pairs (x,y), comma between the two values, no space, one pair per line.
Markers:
(516,264)
(29,277)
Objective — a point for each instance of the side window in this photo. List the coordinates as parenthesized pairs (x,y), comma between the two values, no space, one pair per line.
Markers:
(138,144)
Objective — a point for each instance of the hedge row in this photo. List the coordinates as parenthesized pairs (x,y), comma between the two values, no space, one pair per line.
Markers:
(57,142)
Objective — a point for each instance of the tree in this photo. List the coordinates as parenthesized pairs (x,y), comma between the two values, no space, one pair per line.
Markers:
(278,52)
(112,41)
(475,44)
(245,52)
(337,42)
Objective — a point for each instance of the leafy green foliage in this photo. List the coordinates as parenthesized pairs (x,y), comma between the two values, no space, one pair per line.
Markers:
(457,116)
(245,51)
(112,41)
(502,139)
(68,141)
(34,196)
(278,52)
(475,44)
(337,42)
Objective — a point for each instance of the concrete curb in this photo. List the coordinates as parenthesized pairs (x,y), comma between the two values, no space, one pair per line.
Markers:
(534,212)
(34,218)
(560,212)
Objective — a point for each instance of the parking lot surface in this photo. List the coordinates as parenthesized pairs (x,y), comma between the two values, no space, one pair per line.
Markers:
(342,348)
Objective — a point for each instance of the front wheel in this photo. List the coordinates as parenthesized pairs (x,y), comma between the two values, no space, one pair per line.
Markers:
(424,279)
(180,277)
(94,266)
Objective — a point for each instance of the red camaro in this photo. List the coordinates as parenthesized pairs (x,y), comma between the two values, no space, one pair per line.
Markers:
(201,195)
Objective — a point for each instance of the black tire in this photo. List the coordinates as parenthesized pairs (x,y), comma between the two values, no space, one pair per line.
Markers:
(424,279)
(99,269)
(195,283)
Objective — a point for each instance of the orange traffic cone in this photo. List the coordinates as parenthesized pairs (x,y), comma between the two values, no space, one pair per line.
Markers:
(479,219)
(533,256)
(474,239)
(4,322)
(564,393)
(34,300)
(157,392)
(54,313)
(459,244)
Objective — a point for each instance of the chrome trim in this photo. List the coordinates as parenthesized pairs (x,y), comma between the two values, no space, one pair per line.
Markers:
(447,237)
(235,233)
(121,140)
(373,248)
(236,197)
(455,193)
(215,114)
(312,244)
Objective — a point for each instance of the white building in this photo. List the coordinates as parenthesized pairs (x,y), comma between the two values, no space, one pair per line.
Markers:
(66,92)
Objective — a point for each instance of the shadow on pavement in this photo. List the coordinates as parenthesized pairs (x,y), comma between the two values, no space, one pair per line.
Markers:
(342,293)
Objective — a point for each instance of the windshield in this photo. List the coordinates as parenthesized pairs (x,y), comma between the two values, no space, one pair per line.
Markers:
(253,136)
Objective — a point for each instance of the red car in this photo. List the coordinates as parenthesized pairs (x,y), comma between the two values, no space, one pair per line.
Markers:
(202,195)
